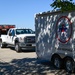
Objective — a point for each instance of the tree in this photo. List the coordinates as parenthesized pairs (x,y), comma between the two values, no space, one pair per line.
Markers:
(63,5)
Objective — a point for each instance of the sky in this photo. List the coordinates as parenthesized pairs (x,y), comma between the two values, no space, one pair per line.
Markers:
(21,12)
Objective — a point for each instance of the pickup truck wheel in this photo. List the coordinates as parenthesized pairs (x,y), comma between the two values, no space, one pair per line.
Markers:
(17,47)
(1,44)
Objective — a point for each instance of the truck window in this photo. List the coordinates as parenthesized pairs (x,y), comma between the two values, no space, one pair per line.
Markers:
(13,32)
(9,32)
(24,31)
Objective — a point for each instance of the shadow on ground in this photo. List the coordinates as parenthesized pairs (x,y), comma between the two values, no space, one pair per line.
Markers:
(29,66)
(25,50)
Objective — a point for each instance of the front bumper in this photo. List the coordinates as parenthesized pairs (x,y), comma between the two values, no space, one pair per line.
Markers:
(27,45)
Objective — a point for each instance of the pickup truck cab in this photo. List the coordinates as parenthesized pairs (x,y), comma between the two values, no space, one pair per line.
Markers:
(19,38)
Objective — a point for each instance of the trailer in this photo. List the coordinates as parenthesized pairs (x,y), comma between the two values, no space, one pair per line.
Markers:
(4,28)
(55,38)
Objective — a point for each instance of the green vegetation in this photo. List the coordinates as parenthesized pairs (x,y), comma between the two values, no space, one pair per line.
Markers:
(63,5)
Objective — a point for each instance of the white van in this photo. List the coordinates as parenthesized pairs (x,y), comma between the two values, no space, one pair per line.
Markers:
(55,38)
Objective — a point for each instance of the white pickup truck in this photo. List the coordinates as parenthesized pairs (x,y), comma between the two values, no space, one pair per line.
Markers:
(19,38)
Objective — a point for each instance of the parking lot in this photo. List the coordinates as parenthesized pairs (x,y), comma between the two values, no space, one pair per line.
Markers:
(25,63)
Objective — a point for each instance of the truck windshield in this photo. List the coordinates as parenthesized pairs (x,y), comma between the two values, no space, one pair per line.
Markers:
(24,31)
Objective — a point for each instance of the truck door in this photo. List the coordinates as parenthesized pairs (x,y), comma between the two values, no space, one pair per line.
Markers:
(12,36)
(8,37)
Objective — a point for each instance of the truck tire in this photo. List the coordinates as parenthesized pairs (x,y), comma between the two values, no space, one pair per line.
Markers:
(69,65)
(2,45)
(17,47)
(57,61)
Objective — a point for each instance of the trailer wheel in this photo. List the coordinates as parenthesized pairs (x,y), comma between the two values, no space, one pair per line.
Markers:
(69,65)
(57,61)
(17,47)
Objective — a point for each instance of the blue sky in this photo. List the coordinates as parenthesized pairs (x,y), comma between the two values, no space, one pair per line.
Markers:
(21,12)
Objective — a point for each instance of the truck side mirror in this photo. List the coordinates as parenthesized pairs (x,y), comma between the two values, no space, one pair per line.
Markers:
(10,33)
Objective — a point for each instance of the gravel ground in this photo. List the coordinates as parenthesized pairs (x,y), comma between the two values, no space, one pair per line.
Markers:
(25,63)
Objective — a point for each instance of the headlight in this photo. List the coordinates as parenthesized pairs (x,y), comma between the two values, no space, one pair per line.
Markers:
(21,39)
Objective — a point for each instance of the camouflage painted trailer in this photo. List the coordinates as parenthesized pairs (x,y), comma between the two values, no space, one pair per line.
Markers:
(55,38)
